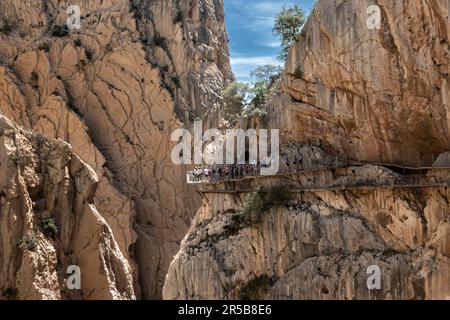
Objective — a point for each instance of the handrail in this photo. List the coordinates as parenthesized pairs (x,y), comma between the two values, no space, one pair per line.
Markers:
(211,180)
(340,187)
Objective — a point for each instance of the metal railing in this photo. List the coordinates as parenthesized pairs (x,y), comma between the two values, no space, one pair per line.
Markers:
(231,175)
(355,182)
(342,181)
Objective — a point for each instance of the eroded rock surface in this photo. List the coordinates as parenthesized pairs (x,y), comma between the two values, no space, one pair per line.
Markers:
(378,95)
(114,90)
(319,245)
(49,222)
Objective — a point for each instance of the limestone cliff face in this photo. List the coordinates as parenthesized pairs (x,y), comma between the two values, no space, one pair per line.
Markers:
(368,95)
(49,222)
(379,95)
(188,42)
(318,245)
(113,91)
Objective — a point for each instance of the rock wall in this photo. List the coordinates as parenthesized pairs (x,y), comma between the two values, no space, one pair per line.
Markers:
(378,95)
(49,222)
(105,90)
(188,42)
(369,95)
(318,245)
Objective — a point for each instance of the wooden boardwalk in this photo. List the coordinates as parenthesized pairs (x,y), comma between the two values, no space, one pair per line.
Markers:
(403,181)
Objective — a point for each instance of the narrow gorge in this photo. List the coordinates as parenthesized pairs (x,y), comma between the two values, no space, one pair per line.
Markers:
(114,90)
(348,94)
(87,178)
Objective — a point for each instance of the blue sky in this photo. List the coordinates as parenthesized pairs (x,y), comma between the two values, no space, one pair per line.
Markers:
(249,24)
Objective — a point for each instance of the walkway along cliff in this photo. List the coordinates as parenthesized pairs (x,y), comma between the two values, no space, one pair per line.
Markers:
(378,97)
(87,178)
(114,90)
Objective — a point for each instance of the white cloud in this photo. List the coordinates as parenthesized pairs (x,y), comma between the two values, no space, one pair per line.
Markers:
(257,16)
(269,7)
(270,43)
(250,24)
(254,61)
(259,22)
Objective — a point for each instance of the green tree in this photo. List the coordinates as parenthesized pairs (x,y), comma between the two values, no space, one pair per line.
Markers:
(264,75)
(288,26)
(236,98)
(242,99)
(260,92)
(266,72)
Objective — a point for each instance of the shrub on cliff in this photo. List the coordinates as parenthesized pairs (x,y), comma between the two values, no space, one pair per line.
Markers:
(60,31)
(6,28)
(253,206)
(256,288)
(17,157)
(260,201)
(179,16)
(50,228)
(27,243)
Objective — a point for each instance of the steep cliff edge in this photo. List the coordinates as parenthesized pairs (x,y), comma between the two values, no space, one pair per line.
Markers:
(188,42)
(377,96)
(49,222)
(114,90)
(319,244)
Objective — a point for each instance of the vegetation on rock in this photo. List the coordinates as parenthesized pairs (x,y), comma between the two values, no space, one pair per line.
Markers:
(256,288)
(6,28)
(247,100)
(27,243)
(260,201)
(60,31)
(288,25)
(50,228)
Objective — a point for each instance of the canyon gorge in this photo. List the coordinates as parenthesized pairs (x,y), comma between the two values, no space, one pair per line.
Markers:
(87,179)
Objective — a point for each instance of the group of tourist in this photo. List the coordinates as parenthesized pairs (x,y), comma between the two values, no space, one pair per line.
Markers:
(229,172)
(293,163)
